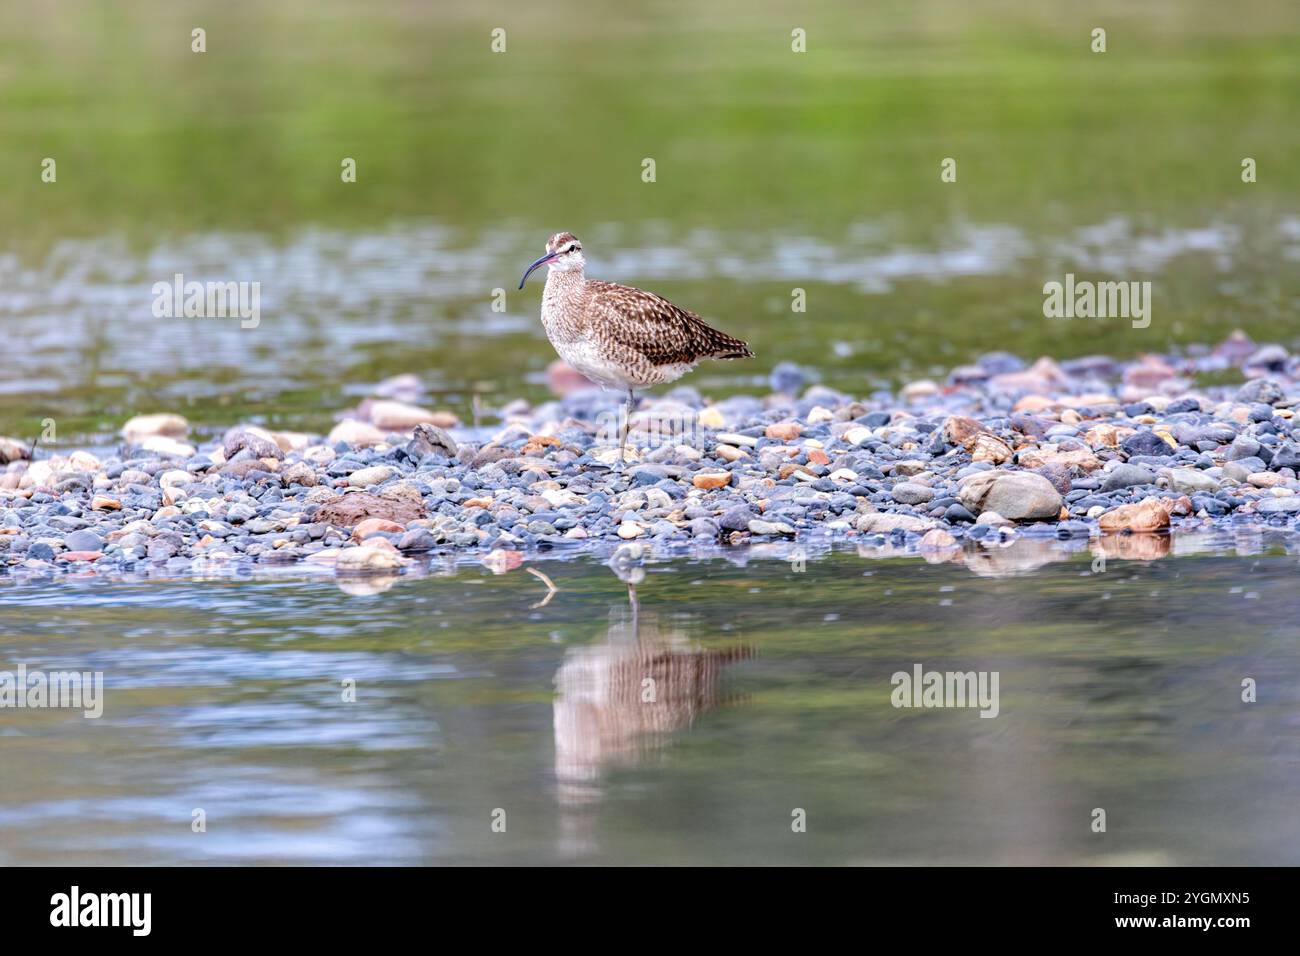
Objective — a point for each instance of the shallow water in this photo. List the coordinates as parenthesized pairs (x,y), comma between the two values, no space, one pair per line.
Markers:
(1119,689)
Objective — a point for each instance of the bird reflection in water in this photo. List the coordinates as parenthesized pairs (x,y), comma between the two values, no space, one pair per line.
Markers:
(618,702)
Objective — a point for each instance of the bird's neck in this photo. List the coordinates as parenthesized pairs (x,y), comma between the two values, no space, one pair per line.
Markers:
(560,282)
(562,303)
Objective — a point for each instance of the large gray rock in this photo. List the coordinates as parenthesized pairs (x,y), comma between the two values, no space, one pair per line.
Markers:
(1016,495)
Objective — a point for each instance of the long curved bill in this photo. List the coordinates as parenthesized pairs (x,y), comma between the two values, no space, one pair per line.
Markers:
(540,262)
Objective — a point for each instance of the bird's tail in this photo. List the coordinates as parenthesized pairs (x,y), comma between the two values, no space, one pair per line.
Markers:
(740,351)
(724,346)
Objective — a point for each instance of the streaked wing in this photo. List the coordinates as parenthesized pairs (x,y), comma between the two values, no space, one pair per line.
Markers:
(664,333)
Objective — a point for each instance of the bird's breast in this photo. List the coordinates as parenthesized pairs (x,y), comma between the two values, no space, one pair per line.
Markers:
(561,315)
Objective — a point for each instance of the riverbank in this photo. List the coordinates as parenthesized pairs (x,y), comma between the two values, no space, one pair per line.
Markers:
(1093,450)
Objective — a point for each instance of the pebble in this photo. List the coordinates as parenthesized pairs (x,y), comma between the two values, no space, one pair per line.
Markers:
(909,493)
(82,541)
(883,523)
(372,526)
(81,556)
(40,551)
(1126,476)
(712,480)
(1015,495)
(711,417)
(367,560)
(11,449)
(165,446)
(353,432)
(936,539)
(1188,480)
(418,539)
(393,416)
(986,447)
(759,527)
(784,431)
(365,477)
(1271,506)
(1150,514)
(166,424)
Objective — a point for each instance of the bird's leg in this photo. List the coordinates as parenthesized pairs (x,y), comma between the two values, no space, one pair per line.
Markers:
(627,426)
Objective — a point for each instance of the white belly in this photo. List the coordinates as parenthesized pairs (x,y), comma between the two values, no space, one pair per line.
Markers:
(587,360)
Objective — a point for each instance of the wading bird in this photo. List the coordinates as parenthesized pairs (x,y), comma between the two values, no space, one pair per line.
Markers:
(618,336)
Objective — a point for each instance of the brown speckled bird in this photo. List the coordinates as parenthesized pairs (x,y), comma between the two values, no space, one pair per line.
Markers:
(618,336)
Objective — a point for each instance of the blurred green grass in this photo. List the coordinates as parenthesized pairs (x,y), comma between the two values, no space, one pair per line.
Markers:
(151,137)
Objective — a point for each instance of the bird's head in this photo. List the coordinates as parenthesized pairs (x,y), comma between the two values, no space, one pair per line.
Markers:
(563,252)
